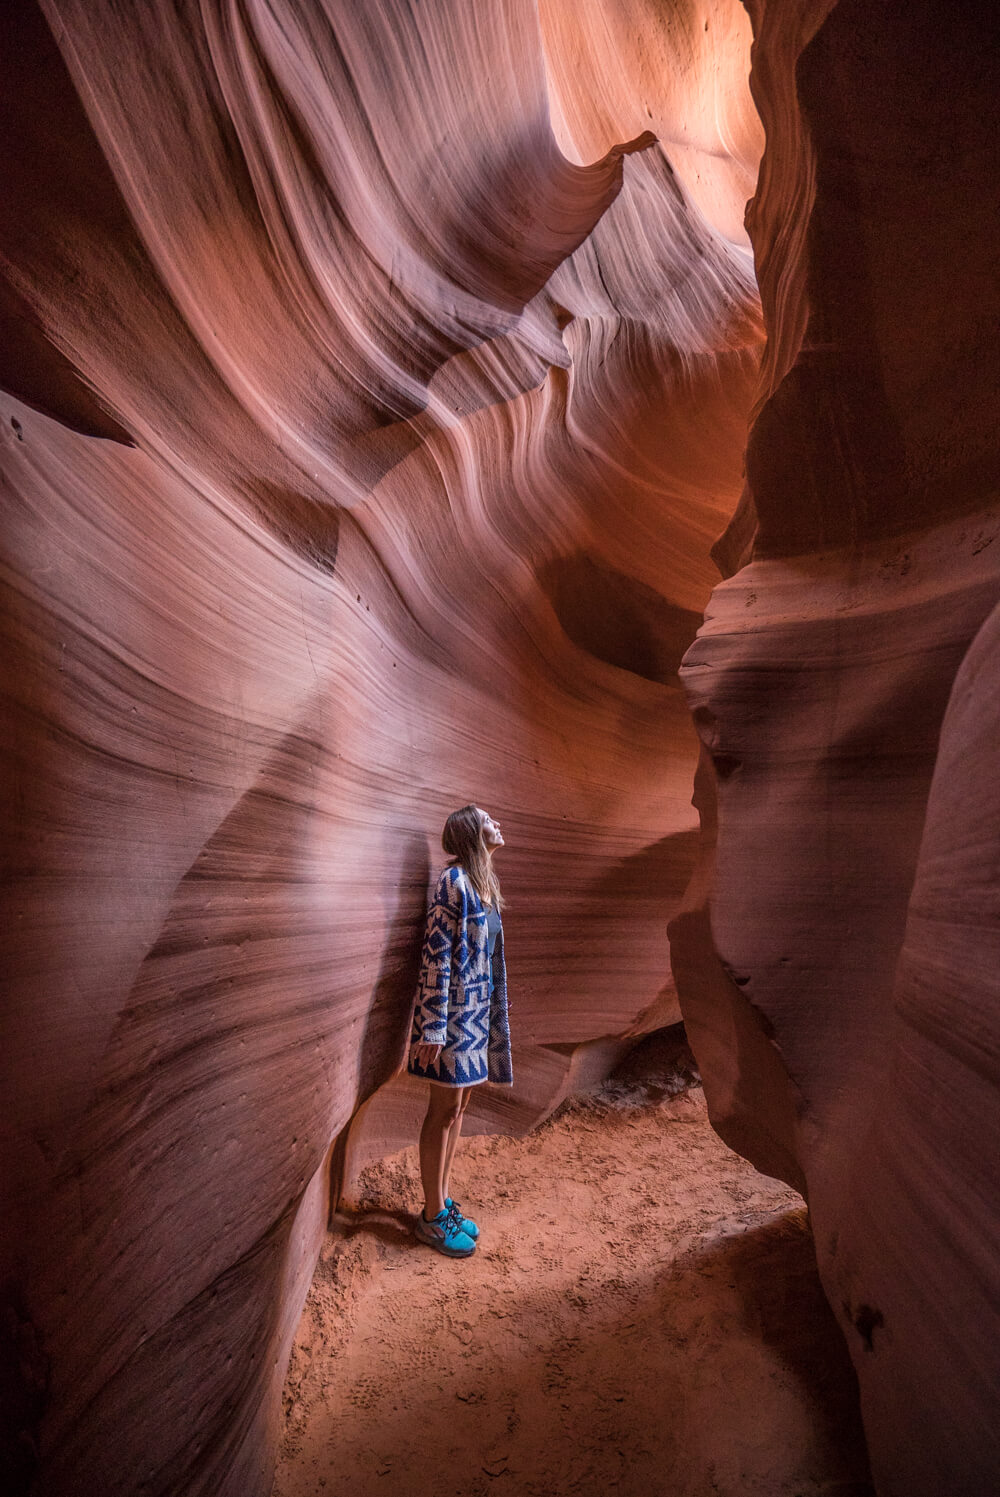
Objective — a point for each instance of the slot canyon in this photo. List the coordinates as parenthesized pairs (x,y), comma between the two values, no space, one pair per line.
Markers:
(586,408)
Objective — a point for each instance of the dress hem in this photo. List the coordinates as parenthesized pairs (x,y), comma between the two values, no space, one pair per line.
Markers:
(440,1081)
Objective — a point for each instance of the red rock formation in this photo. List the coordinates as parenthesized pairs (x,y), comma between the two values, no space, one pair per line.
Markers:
(376,390)
(837,955)
(370,419)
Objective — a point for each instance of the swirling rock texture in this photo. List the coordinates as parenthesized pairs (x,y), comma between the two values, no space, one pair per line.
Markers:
(837,954)
(377,380)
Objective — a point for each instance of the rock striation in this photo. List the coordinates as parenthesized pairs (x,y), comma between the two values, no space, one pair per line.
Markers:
(836,957)
(376,381)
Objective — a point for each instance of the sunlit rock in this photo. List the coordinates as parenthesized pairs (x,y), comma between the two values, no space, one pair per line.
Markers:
(375,393)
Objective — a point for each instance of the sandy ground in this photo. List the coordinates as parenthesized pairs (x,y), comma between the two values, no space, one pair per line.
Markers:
(642,1317)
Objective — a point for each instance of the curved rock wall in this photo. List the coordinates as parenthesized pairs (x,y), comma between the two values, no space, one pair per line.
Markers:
(836,954)
(376,385)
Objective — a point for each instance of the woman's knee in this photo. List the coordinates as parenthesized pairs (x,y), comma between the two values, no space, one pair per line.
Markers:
(445,1106)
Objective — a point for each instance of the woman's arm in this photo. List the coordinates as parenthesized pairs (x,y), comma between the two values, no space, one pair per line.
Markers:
(430,1021)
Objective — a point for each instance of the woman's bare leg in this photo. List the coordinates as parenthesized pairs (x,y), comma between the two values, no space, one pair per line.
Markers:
(453,1137)
(444,1109)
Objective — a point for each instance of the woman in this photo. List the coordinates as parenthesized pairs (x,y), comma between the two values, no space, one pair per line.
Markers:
(460,1035)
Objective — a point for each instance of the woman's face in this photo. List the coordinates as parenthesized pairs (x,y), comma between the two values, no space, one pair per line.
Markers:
(492,835)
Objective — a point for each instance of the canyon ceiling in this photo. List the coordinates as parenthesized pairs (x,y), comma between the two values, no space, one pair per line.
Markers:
(386,389)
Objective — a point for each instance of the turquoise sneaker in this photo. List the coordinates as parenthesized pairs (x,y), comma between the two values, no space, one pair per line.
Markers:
(445,1235)
(466,1223)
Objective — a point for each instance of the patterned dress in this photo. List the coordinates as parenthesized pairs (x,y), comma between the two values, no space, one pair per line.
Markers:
(458,1006)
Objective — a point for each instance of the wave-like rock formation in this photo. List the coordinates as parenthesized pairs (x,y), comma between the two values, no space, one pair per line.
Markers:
(837,955)
(377,381)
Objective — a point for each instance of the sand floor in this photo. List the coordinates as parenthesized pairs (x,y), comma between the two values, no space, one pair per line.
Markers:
(642,1317)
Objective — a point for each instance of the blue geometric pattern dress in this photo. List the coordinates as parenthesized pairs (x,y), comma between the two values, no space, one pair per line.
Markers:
(458,1005)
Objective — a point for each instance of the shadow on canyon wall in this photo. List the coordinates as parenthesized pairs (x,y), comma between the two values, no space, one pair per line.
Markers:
(619,619)
(41,120)
(387,1027)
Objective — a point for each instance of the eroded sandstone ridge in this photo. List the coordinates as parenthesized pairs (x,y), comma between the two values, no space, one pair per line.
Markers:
(837,956)
(377,380)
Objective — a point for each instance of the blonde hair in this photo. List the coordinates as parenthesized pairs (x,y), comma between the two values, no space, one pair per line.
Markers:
(462,840)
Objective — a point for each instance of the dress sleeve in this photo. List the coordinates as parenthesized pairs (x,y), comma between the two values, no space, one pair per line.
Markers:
(430,1020)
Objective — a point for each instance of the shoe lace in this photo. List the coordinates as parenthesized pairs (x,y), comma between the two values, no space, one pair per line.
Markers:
(454,1219)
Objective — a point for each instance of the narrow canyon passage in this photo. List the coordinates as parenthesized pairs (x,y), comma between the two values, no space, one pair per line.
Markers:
(586,409)
(643,1316)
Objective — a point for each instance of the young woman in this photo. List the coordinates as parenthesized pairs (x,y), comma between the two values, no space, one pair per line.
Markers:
(460,1035)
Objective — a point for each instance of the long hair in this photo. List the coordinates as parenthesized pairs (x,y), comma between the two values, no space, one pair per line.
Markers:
(462,840)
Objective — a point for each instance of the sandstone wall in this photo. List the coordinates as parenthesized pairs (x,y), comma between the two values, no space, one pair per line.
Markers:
(836,955)
(376,384)
(375,387)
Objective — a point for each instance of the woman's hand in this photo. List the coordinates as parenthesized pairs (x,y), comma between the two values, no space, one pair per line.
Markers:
(426,1055)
